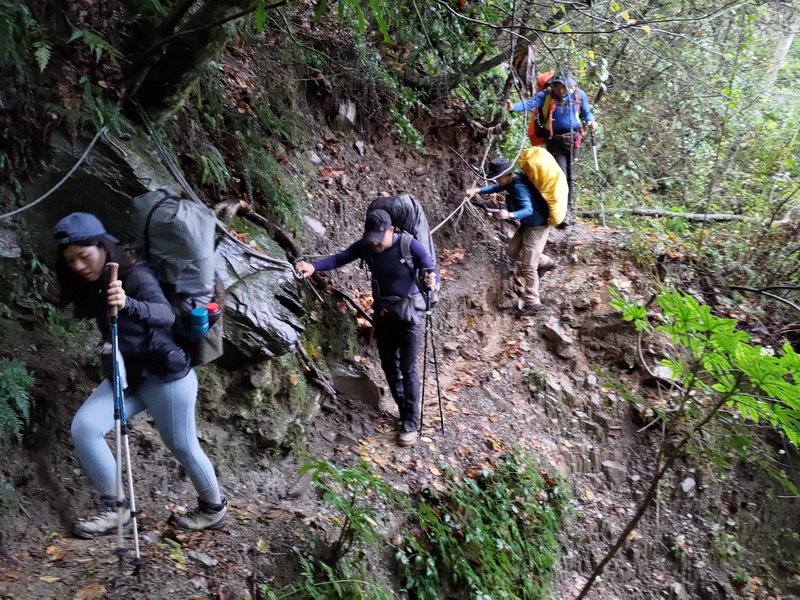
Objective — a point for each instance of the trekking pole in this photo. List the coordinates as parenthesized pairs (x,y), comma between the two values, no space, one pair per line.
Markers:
(429,325)
(597,170)
(121,426)
(424,370)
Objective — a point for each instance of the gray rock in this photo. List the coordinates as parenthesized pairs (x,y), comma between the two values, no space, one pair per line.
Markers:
(591,381)
(559,341)
(360,147)
(262,303)
(615,472)
(314,158)
(345,119)
(688,486)
(203,558)
(661,376)
(352,381)
(315,225)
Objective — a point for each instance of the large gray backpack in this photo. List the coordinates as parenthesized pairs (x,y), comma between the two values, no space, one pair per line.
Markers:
(177,238)
(407,215)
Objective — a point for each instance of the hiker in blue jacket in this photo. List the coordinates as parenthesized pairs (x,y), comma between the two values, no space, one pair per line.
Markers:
(156,372)
(567,112)
(525,204)
(397,305)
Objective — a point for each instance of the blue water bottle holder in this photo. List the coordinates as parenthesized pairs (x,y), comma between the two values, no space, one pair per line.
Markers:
(201,333)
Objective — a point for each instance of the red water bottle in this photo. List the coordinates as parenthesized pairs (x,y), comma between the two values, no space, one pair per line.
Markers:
(213,313)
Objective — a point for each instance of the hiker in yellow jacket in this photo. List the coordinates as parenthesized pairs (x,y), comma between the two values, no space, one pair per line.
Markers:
(537,198)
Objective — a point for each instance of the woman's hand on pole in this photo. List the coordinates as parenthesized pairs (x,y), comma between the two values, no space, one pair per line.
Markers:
(115,296)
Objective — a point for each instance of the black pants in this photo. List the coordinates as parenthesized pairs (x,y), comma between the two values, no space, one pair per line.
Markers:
(563,149)
(398,346)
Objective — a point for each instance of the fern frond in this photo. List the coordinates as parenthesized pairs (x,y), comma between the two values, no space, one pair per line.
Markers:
(42,54)
(15,385)
(97,45)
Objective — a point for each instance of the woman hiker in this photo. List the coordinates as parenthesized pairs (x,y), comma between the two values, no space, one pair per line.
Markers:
(156,370)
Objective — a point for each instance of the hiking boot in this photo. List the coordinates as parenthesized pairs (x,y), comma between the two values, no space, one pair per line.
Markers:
(205,516)
(530,309)
(407,438)
(542,269)
(105,522)
(509,303)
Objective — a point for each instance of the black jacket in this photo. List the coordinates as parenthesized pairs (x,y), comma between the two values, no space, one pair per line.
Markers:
(146,340)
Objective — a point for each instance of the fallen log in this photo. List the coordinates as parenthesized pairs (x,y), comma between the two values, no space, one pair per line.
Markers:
(657,212)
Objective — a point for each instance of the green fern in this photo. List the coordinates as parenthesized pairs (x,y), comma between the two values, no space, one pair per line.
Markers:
(215,172)
(21,37)
(100,113)
(42,54)
(97,46)
(15,385)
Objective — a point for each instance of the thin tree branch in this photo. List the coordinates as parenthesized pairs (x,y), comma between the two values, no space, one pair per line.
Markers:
(652,490)
(768,294)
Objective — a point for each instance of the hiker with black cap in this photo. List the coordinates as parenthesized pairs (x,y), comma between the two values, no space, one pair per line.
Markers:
(398,304)
(525,204)
(562,111)
(155,370)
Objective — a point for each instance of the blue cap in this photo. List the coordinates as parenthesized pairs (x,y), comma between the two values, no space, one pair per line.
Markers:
(79,227)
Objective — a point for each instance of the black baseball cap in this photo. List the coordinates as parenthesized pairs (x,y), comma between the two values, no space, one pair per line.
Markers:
(497,167)
(376,225)
(79,227)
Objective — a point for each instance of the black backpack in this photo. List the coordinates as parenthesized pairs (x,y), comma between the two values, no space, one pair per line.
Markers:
(407,215)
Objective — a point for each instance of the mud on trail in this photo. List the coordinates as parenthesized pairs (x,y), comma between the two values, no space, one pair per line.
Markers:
(549,384)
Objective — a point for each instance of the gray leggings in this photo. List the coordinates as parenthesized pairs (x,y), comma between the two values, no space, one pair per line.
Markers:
(171,404)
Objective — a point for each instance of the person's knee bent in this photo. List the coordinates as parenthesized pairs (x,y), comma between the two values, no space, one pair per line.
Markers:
(83,427)
(186,450)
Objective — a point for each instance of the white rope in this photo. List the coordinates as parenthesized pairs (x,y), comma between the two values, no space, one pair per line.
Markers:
(451,215)
(102,131)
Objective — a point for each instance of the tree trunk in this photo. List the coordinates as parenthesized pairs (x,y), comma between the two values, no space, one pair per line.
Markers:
(655,212)
(160,79)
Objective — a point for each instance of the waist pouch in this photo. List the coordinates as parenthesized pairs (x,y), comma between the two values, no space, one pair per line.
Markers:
(571,138)
(403,308)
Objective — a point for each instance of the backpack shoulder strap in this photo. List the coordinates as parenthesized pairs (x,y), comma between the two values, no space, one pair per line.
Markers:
(405,250)
(166,196)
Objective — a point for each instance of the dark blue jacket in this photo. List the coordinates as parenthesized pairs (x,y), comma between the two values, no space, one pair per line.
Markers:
(390,275)
(523,201)
(145,332)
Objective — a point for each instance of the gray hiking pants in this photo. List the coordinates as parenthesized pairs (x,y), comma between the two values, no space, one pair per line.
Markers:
(526,249)
(171,404)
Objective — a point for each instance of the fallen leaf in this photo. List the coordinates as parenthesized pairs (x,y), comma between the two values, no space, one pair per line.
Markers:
(49,578)
(262,546)
(493,417)
(56,553)
(434,471)
(293,378)
(93,591)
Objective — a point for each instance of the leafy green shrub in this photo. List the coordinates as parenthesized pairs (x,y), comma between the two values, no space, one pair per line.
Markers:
(264,176)
(15,386)
(357,497)
(489,535)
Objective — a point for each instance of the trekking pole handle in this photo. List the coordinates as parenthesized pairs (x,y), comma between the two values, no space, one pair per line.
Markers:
(111,275)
